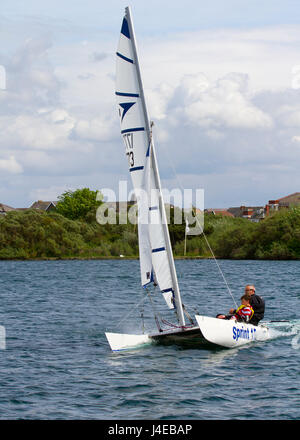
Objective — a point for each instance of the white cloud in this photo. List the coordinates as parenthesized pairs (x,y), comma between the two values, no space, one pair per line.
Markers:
(291,117)
(221,101)
(37,160)
(157,100)
(40,131)
(225,102)
(49,193)
(10,166)
(266,54)
(97,129)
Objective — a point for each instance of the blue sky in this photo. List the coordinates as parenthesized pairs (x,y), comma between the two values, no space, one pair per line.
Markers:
(222,82)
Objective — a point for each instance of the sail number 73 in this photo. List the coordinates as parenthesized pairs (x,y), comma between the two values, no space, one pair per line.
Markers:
(128,140)
(130,158)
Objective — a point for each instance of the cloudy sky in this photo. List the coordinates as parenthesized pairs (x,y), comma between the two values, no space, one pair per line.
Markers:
(222,83)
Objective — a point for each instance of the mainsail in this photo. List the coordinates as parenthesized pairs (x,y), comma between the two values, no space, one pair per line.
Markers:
(156,257)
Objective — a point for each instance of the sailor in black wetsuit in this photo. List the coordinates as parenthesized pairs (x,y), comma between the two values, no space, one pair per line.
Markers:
(256,302)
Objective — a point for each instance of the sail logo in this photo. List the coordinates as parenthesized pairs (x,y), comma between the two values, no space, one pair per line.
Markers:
(243,333)
(125,106)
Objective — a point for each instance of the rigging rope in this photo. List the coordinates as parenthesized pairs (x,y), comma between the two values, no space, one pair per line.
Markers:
(131,310)
(204,235)
(220,270)
(154,311)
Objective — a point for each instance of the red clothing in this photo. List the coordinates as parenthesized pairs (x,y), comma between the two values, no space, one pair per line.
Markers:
(244,313)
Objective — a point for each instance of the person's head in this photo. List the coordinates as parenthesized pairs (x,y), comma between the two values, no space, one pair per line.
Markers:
(245,299)
(249,289)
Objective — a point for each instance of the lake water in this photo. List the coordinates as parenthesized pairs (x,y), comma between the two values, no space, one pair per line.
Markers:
(57,363)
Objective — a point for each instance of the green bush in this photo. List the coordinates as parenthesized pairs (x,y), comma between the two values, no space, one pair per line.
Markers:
(37,234)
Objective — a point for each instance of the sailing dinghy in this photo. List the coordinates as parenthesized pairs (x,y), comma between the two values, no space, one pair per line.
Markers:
(156,257)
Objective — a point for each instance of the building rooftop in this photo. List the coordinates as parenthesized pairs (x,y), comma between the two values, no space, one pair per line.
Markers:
(44,205)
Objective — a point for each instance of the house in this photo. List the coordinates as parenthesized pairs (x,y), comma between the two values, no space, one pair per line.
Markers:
(218,211)
(272,206)
(283,202)
(258,215)
(288,201)
(252,213)
(5,208)
(45,206)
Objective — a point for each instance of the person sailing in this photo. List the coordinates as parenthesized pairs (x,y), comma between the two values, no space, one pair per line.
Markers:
(256,302)
(243,313)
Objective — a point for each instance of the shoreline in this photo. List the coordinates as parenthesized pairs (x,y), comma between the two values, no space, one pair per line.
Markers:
(96,258)
(137,258)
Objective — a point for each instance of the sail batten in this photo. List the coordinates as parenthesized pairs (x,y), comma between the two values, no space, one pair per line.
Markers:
(131,95)
(131,130)
(136,169)
(156,258)
(129,60)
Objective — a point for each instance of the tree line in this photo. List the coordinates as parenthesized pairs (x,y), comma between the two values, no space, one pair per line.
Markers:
(73,232)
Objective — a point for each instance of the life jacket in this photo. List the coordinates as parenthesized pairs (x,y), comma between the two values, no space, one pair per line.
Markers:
(244,312)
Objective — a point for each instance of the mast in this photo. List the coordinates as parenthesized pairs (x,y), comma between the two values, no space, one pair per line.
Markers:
(179,308)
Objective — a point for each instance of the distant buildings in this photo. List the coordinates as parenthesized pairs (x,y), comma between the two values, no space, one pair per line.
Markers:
(258,213)
(252,213)
(284,202)
(218,211)
(44,206)
(5,208)
(40,204)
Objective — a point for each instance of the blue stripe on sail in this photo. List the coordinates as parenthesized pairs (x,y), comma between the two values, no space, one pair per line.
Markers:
(167,290)
(125,58)
(153,208)
(148,150)
(125,28)
(136,169)
(129,130)
(130,95)
(158,250)
(152,276)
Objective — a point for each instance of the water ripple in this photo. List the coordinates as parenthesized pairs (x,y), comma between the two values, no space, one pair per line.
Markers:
(57,364)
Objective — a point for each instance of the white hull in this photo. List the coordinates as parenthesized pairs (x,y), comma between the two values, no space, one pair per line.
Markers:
(121,341)
(230,333)
(220,332)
